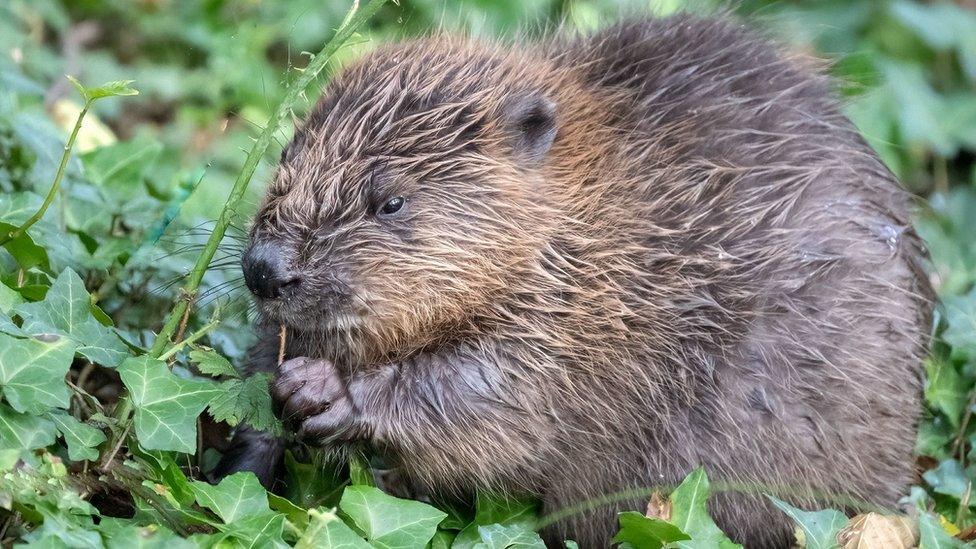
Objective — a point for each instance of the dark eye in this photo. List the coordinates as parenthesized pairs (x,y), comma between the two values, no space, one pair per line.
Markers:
(392,206)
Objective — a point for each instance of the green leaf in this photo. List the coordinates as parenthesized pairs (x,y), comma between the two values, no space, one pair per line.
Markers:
(120,169)
(325,529)
(81,439)
(15,209)
(246,401)
(949,478)
(32,372)
(389,522)
(689,511)
(264,530)
(945,389)
(66,310)
(24,431)
(212,364)
(647,533)
(166,406)
(961,320)
(108,89)
(820,528)
(313,484)
(295,514)
(237,496)
(499,536)
(497,509)
(123,534)
(933,536)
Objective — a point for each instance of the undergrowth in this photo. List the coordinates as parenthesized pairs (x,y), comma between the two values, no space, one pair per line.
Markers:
(121,317)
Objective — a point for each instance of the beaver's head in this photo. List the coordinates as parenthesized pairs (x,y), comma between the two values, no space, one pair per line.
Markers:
(408,200)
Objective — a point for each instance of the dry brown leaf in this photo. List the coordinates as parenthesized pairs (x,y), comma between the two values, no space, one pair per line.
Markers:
(659,507)
(877,531)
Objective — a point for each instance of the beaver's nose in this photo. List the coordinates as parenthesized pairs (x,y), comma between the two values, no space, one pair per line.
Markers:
(265,273)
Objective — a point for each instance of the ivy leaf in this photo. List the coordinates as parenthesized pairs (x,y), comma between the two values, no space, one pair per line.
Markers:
(32,372)
(108,89)
(212,364)
(123,534)
(933,536)
(237,496)
(945,389)
(120,168)
(389,522)
(948,478)
(166,406)
(647,533)
(325,529)
(81,439)
(689,511)
(961,323)
(820,528)
(15,209)
(492,509)
(313,484)
(66,310)
(24,431)
(499,536)
(246,401)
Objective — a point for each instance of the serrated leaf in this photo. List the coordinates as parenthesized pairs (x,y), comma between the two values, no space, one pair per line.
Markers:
(32,372)
(820,528)
(689,511)
(108,89)
(211,363)
(236,496)
(325,529)
(81,439)
(166,406)
(24,431)
(246,401)
(389,522)
(66,310)
(642,532)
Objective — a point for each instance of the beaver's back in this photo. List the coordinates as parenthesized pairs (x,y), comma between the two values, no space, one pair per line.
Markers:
(794,271)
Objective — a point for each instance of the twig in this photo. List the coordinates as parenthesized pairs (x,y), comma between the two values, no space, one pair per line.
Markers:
(282,339)
(186,318)
(107,460)
(257,151)
(189,340)
(56,185)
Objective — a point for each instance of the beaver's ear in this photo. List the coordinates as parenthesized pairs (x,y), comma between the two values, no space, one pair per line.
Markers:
(532,124)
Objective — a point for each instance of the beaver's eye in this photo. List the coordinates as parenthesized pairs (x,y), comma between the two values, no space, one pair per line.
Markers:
(392,206)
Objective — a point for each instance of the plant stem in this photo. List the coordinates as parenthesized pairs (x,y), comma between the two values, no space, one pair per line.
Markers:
(250,164)
(123,410)
(53,191)
(192,337)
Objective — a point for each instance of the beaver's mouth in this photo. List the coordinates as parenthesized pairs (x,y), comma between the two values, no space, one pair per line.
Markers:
(305,316)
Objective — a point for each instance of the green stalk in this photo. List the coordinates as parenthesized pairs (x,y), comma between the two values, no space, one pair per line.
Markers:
(352,23)
(53,191)
(356,18)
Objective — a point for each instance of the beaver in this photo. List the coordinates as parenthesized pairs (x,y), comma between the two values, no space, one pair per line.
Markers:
(593,263)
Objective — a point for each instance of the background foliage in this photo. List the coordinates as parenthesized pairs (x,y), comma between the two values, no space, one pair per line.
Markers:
(83,292)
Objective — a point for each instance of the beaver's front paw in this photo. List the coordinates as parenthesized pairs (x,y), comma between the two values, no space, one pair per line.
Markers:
(312,399)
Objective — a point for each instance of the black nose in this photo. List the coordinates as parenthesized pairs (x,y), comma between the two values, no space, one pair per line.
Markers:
(265,273)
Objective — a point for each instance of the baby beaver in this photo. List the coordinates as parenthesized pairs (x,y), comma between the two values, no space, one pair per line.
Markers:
(575,267)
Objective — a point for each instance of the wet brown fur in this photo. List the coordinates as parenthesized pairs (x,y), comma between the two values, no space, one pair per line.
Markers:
(709,267)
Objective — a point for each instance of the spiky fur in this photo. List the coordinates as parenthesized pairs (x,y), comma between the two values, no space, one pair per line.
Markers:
(709,268)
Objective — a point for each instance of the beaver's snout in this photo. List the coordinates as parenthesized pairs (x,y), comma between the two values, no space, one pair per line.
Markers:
(265,272)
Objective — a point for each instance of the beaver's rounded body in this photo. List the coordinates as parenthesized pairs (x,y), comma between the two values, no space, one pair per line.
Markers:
(621,257)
